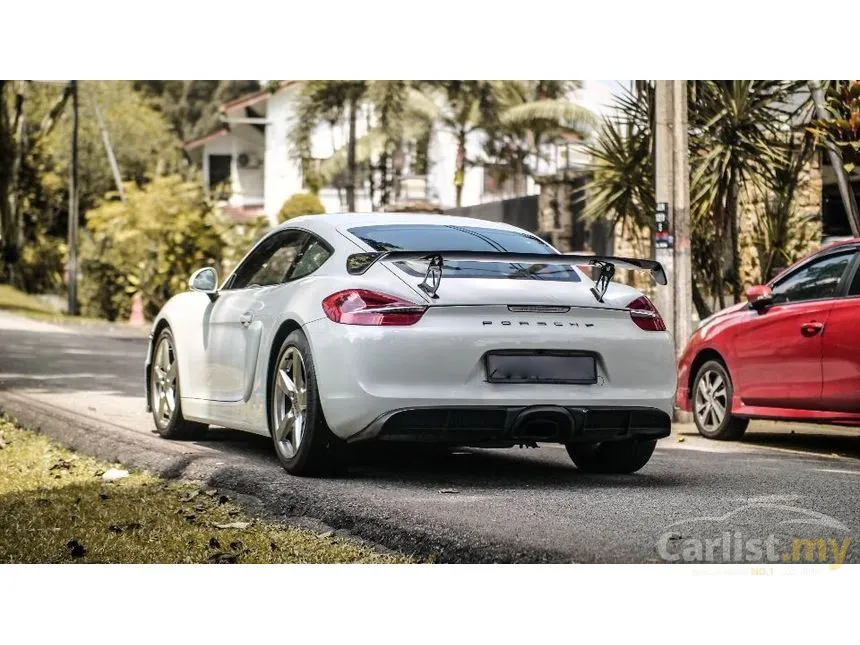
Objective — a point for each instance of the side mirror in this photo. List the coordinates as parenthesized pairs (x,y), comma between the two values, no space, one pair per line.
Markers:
(205,280)
(759,296)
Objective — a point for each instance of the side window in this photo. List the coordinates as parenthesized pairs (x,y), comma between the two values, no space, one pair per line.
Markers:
(854,289)
(270,262)
(311,259)
(815,281)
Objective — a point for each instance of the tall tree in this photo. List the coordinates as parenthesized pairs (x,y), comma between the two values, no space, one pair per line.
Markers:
(536,113)
(739,131)
(14,142)
(318,102)
(621,185)
(191,107)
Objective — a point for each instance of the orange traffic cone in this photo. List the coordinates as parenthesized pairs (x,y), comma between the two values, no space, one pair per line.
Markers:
(136,317)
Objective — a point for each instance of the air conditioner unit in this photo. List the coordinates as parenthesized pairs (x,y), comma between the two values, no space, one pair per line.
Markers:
(248,160)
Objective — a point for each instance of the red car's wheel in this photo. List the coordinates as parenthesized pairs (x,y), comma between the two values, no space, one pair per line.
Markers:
(712,404)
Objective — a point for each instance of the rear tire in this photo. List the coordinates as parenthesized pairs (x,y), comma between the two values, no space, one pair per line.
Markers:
(611,457)
(164,397)
(711,400)
(303,441)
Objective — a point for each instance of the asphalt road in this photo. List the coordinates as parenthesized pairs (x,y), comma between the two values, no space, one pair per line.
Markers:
(696,501)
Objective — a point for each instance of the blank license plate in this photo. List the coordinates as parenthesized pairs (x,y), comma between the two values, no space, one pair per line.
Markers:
(548,367)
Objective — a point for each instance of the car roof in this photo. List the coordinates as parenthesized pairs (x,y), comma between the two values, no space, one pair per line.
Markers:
(341,221)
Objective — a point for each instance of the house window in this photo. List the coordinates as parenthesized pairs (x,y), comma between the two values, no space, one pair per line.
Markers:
(219,169)
(833,215)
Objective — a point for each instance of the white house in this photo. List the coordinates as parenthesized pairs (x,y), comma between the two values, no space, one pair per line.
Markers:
(250,155)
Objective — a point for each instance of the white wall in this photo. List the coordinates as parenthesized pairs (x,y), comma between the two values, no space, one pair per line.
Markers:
(283,174)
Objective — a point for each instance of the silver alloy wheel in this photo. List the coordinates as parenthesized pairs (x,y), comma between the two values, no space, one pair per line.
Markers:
(163,378)
(290,397)
(711,400)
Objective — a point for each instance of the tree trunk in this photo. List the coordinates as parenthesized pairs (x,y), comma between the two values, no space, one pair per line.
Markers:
(460,177)
(699,301)
(16,230)
(350,159)
(384,184)
(333,148)
(7,152)
(371,189)
(732,194)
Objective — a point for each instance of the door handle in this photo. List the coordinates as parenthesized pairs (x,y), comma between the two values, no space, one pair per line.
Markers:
(811,329)
(246,318)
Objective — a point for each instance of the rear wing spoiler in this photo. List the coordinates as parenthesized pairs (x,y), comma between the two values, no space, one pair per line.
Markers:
(360,263)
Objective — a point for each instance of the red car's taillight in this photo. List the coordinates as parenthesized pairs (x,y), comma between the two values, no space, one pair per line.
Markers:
(645,315)
(363,307)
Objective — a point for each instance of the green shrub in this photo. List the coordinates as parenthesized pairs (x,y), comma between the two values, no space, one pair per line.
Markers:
(149,245)
(300,204)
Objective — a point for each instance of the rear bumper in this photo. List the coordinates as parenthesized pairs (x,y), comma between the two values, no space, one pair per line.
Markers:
(366,373)
(518,424)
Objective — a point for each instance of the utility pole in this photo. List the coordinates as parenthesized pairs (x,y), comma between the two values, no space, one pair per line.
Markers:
(73,207)
(683,270)
(664,174)
(848,200)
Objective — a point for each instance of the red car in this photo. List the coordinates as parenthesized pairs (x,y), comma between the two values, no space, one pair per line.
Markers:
(792,352)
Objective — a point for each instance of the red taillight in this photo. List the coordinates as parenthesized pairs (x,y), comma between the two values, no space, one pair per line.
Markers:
(362,307)
(645,315)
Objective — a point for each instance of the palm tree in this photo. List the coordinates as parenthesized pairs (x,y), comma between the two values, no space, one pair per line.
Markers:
(538,112)
(397,113)
(462,108)
(327,101)
(738,134)
(621,183)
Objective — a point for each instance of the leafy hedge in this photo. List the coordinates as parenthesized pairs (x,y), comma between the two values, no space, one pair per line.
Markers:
(301,204)
(149,245)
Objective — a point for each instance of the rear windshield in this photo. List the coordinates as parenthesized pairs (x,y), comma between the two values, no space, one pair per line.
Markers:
(437,237)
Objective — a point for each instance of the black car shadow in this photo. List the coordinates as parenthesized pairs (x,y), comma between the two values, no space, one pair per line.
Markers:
(452,468)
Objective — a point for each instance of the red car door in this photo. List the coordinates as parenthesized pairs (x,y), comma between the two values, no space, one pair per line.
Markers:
(777,357)
(841,352)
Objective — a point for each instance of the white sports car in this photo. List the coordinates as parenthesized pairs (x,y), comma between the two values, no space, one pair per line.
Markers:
(336,329)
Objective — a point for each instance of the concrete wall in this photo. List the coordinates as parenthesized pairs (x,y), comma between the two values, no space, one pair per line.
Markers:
(521,212)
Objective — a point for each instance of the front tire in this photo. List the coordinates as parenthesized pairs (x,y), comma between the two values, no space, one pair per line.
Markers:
(611,457)
(164,398)
(712,404)
(303,441)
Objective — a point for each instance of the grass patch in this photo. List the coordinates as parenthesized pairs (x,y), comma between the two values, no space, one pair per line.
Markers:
(55,507)
(24,304)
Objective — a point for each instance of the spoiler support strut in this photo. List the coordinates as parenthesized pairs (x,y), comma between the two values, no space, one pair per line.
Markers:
(360,263)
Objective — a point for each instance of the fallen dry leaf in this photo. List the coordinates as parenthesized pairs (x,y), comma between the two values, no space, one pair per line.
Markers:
(680,439)
(114,474)
(327,534)
(232,525)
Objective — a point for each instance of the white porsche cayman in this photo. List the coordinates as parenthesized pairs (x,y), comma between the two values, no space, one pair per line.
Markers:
(342,328)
